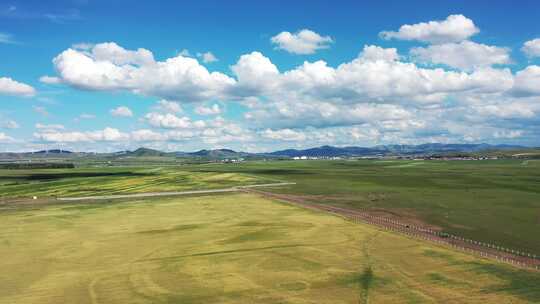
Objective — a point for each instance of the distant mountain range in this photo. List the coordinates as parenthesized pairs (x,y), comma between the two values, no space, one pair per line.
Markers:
(54,151)
(146,152)
(329,151)
(214,154)
(217,153)
(323,151)
(433,148)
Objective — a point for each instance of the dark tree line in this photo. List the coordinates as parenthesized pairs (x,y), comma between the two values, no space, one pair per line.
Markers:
(37,166)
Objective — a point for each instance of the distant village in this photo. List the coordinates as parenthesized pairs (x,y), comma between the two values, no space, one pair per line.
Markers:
(398,157)
(376,157)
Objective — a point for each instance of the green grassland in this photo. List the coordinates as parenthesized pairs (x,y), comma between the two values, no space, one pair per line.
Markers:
(112,180)
(494,201)
(235,248)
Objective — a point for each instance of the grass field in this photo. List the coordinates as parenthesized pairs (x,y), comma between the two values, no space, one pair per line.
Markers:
(112,180)
(491,201)
(236,248)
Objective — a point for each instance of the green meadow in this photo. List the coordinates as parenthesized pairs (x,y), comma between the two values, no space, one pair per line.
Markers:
(234,248)
(496,201)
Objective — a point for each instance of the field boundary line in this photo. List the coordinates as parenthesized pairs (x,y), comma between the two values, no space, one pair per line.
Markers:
(172,193)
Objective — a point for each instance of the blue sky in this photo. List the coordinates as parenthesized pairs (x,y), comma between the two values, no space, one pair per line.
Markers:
(258,76)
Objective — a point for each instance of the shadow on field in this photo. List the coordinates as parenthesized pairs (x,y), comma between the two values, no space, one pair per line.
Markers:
(520,283)
(366,281)
(55,176)
(514,281)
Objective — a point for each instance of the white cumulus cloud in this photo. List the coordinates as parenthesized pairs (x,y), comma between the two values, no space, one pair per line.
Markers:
(107,134)
(85,46)
(377,97)
(465,55)
(284,134)
(50,79)
(254,66)
(110,67)
(212,110)
(531,48)
(121,111)
(302,42)
(375,53)
(112,52)
(454,28)
(4,138)
(171,121)
(49,127)
(507,133)
(148,135)
(169,106)
(9,86)
(207,57)
(527,81)
(371,79)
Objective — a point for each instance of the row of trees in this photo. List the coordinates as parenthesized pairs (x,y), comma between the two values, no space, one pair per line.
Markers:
(37,166)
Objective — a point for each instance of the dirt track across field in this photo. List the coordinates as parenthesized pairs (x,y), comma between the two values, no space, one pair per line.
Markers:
(413,229)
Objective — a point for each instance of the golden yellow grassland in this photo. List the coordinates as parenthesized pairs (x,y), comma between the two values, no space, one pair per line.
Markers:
(235,248)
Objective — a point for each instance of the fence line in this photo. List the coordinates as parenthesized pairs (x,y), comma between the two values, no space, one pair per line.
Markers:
(499,253)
